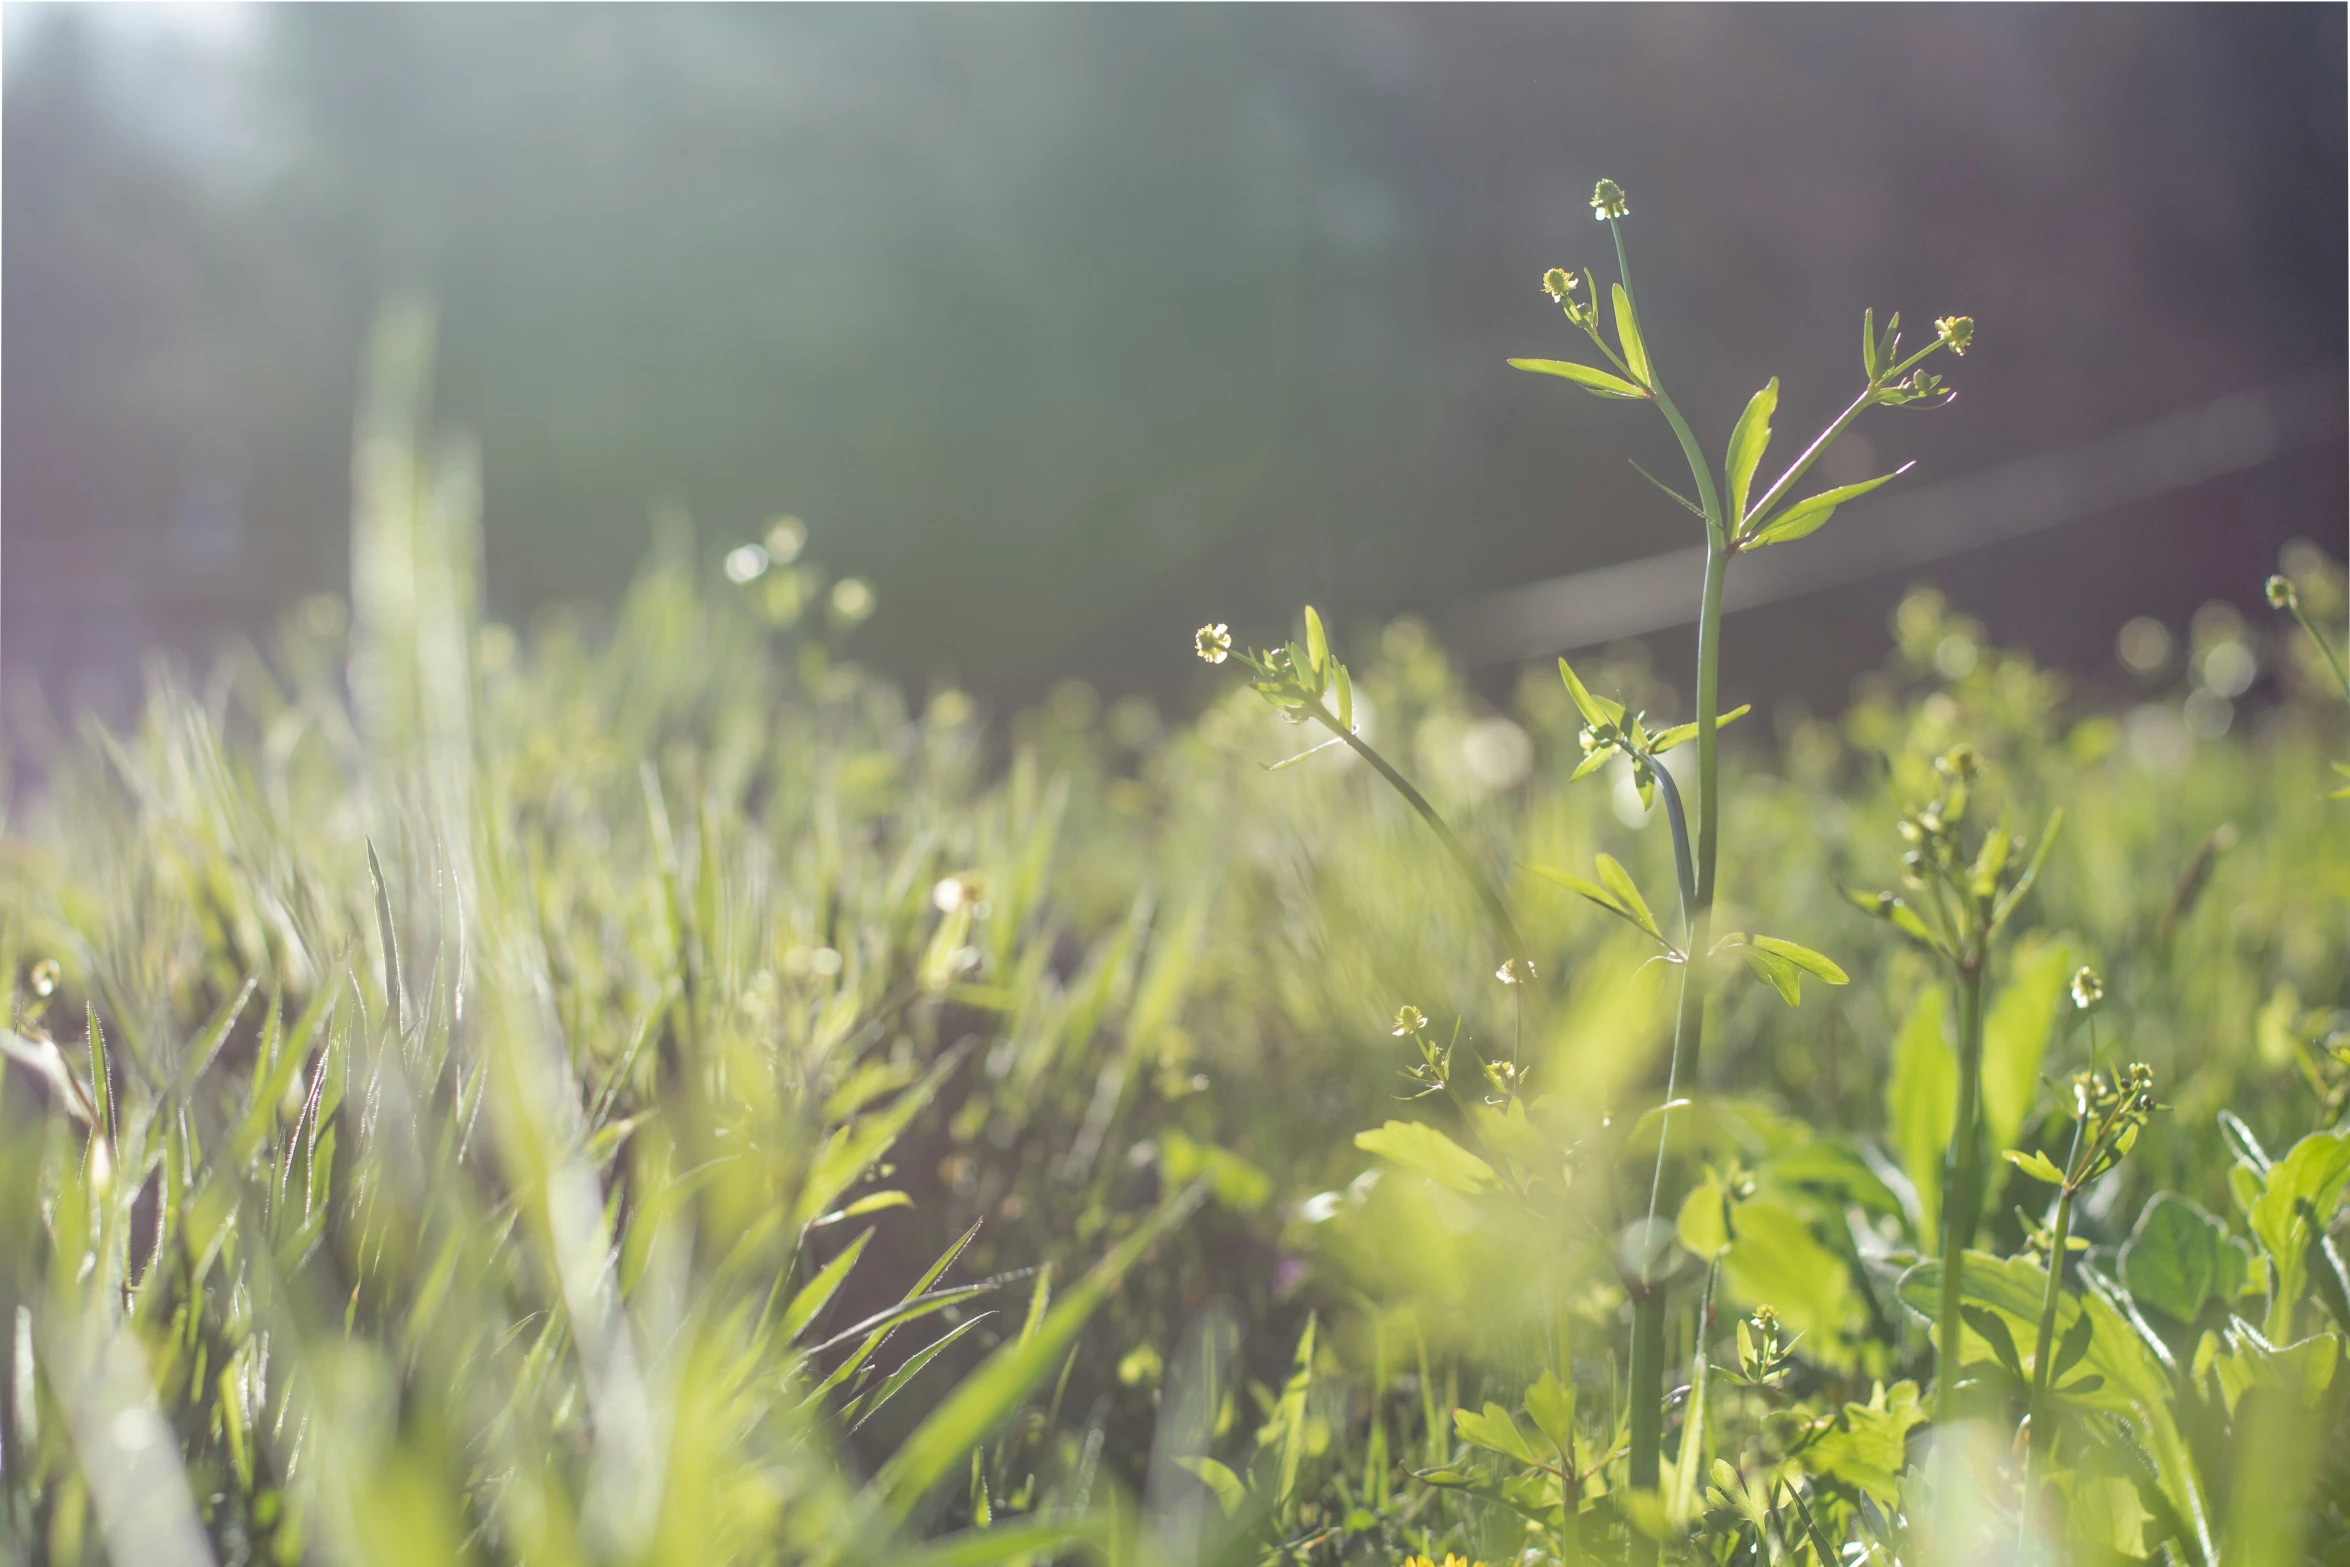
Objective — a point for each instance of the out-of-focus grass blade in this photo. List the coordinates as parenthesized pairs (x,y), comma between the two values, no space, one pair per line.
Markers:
(913,1367)
(989,1395)
(818,1291)
(1022,1540)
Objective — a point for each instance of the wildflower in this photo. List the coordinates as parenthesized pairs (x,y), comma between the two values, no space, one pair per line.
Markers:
(1450,1560)
(1607,201)
(2088,989)
(1515,971)
(45,976)
(2280,592)
(1409,1020)
(1960,761)
(1558,283)
(1214,642)
(1957,332)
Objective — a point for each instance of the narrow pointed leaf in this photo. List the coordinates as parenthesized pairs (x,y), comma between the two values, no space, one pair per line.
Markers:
(1628,337)
(1682,734)
(1806,517)
(1618,881)
(1748,441)
(1585,376)
(1597,711)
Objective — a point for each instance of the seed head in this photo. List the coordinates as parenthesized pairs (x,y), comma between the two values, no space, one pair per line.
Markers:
(1558,283)
(1409,1020)
(1213,642)
(2281,594)
(1607,201)
(2088,989)
(1957,332)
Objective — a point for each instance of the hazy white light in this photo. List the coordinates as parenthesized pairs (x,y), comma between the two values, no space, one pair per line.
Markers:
(745,563)
(2144,645)
(2207,714)
(2228,668)
(1497,753)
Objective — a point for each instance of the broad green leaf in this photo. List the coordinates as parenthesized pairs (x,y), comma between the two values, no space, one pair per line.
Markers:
(1424,1150)
(1551,1404)
(1921,1106)
(1581,886)
(1748,440)
(1681,734)
(1585,376)
(2296,1205)
(1597,711)
(1317,643)
(2125,1378)
(2174,1258)
(1704,1221)
(1805,517)
(2015,1038)
(1495,1431)
(1628,337)
(1868,1448)
(1775,1260)
(987,1398)
(1993,1331)
(1774,971)
(1618,881)
(2036,1165)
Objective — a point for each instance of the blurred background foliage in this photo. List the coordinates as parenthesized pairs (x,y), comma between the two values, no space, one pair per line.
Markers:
(1068,330)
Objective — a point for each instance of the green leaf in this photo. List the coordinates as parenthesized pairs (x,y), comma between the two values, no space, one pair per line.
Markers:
(1426,1151)
(1231,1495)
(1597,711)
(1681,734)
(1805,517)
(1776,1260)
(1703,1222)
(2073,1345)
(2014,895)
(1868,342)
(1618,881)
(854,1147)
(1495,1431)
(1628,337)
(2296,1205)
(1317,643)
(1774,971)
(2126,1379)
(1921,1105)
(1748,441)
(1813,963)
(1029,1539)
(2015,1038)
(814,1295)
(1585,376)
(2173,1260)
(1551,1404)
(987,1398)
(871,1405)
(1346,697)
(1684,501)
(1992,1331)
(2036,1165)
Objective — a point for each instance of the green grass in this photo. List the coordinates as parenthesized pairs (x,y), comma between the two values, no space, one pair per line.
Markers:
(537,1110)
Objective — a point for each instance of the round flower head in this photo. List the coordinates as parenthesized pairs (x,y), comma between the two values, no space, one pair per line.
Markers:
(2280,592)
(1409,1020)
(1607,201)
(1213,642)
(2088,989)
(1957,331)
(1558,283)
(1514,972)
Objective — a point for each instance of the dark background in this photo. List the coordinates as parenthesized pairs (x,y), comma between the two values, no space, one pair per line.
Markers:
(1071,328)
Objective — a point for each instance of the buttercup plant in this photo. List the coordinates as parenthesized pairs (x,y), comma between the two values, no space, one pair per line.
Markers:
(1304,682)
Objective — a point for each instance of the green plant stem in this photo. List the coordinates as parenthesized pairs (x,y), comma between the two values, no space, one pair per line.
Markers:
(2324,646)
(1495,910)
(1961,1184)
(2043,1345)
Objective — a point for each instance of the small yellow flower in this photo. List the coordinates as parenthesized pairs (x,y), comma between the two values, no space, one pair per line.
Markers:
(1558,283)
(1450,1560)
(1514,972)
(1409,1020)
(1214,642)
(1607,201)
(1957,331)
